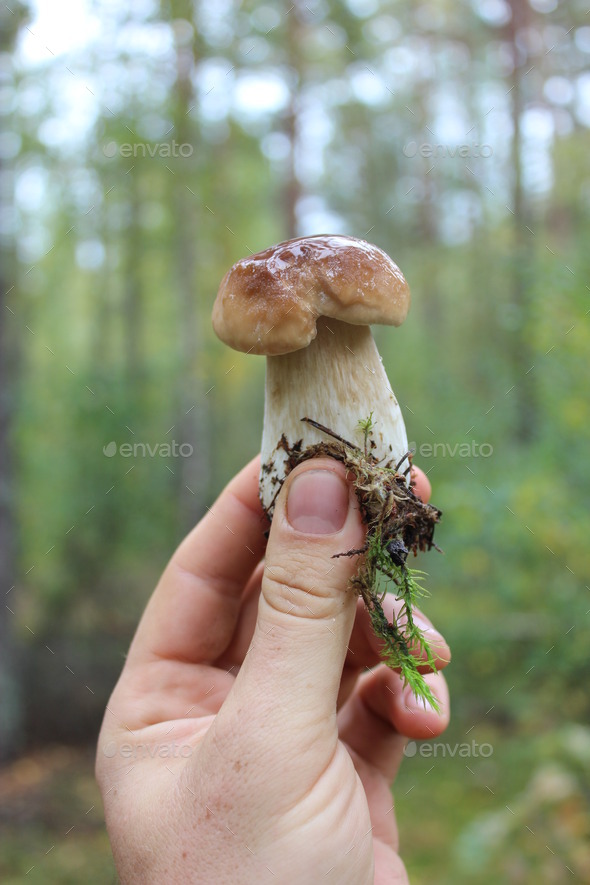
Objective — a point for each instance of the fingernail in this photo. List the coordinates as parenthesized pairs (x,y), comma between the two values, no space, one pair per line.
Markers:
(317,502)
(430,633)
(417,704)
(436,641)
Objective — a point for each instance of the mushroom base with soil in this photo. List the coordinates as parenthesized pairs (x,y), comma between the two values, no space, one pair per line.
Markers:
(398,523)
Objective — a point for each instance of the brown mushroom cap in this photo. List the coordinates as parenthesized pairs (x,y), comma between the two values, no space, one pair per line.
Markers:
(269,303)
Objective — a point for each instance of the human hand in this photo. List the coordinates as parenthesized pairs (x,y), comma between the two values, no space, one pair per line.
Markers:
(253,735)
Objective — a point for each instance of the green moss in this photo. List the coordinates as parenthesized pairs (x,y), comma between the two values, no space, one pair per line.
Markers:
(403,641)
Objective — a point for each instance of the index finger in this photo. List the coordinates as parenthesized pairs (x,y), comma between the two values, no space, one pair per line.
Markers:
(193,611)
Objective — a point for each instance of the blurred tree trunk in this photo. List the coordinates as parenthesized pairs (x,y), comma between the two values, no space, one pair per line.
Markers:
(132,295)
(193,420)
(9,681)
(10,671)
(292,190)
(101,341)
(430,293)
(522,355)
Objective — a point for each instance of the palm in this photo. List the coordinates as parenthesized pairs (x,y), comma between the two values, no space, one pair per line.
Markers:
(192,705)
(179,704)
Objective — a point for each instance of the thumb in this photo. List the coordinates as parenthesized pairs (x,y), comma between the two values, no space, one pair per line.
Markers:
(307,606)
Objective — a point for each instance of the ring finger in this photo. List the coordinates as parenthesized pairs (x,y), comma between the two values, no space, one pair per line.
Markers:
(381,714)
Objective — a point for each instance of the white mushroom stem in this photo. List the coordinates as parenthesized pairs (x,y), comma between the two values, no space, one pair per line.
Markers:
(337,380)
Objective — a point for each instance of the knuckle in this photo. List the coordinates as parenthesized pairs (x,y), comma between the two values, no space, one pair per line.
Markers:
(301,589)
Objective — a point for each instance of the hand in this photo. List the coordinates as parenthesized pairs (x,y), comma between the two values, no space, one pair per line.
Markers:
(246,740)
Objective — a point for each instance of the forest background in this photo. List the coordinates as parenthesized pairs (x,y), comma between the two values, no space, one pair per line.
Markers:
(145,148)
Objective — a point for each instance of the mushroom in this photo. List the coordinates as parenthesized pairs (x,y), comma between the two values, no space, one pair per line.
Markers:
(307,305)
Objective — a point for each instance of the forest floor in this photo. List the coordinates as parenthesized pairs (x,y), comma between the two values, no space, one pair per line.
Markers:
(52,829)
(51,820)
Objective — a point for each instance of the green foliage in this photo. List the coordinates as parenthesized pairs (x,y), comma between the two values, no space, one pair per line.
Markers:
(111,348)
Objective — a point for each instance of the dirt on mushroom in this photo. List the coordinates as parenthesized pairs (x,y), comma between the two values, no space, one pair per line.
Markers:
(398,523)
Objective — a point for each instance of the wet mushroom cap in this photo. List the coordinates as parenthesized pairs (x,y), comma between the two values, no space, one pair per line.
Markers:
(269,303)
